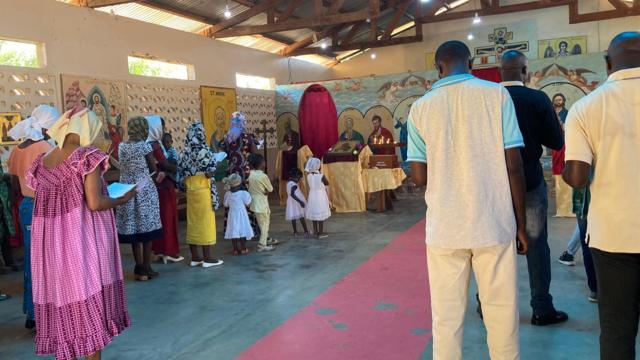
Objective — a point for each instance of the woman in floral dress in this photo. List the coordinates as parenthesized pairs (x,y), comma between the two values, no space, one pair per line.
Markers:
(78,288)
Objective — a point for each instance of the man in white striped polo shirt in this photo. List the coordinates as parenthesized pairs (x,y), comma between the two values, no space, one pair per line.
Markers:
(464,138)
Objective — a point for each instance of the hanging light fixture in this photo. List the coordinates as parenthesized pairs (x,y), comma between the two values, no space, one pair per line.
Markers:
(227,12)
(374,56)
(476,19)
(470,37)
(323,45)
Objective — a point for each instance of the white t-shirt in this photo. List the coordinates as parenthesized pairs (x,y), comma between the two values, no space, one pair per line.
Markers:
(461,128)
(603,129)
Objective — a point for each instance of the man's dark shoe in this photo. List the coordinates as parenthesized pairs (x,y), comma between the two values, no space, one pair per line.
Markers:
(549,319)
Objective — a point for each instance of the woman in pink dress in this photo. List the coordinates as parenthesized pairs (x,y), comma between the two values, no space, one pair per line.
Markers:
(78,288)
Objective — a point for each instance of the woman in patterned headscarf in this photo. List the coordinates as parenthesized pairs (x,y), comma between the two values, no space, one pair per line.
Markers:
(195,172)
(139,220)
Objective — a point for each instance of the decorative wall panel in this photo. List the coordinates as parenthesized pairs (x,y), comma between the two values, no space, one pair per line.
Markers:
(259,105)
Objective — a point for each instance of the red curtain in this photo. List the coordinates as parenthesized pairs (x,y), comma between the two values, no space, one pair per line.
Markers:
(489,74)
(318,120)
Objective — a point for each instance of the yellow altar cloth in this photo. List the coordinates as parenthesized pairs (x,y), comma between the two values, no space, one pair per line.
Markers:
(346,188)
(375,180)
(304,154)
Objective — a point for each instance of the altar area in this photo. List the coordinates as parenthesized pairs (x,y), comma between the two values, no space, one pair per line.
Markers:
(357,182)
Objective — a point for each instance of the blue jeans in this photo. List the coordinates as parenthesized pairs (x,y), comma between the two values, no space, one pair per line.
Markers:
(586,256)
(538,256)
(26,214)
(574,244)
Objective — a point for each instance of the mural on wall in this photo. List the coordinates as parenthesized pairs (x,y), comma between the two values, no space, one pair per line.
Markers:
(359,100)
(562,47)
(106,98)
(391,96)
(7,122)
(288,131)
(217,106)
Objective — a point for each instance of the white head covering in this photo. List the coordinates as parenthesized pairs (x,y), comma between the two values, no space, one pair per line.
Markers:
(42,117)
(155,130)
(84,123)
(313,165)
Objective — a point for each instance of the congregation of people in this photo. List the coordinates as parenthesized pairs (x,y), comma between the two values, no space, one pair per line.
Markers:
(74,288)
(474,144)
(477,145)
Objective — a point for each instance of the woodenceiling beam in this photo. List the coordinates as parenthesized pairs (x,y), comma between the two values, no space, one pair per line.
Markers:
(393,23)
(619,4)
(358,46)
(575,17)
(534,5)
(352,32)
(485,4)
(102,3)
(243,16)
(287,13)
(324,20)
(178,12)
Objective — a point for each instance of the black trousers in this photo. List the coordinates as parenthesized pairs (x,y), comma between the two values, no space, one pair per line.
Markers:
(618,276)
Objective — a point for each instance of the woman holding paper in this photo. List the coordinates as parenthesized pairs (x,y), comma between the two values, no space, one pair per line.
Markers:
(195,171)
(139,220)
(78,287)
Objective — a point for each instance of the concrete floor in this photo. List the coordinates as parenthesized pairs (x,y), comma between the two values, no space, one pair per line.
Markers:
(195,313)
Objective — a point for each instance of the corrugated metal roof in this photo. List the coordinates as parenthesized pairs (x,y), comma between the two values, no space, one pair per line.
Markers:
(153,16)
(213,11)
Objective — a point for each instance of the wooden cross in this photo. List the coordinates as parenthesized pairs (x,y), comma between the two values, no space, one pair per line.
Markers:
(264,131)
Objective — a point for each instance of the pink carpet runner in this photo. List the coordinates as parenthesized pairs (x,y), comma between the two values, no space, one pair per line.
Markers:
(379,311)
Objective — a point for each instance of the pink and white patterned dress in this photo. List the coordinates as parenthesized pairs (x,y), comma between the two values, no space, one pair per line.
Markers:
(78,288)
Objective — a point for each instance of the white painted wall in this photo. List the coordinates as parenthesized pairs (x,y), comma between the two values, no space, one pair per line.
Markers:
(542,24)
(82,41)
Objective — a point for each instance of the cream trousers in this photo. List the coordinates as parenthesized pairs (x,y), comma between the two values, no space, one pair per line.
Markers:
(263,219)
(496,275)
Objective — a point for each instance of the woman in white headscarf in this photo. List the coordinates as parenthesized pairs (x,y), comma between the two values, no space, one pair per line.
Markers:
(167,247)
(32,133)
(78,286)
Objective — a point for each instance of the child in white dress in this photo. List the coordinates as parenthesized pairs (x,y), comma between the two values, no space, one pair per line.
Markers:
(296,202)
(238,224)
(318,207)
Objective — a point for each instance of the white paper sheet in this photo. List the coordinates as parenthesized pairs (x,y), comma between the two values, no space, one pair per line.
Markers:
(118,190)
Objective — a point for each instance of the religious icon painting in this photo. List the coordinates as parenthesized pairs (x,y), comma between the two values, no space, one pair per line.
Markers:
(562,47)
(351,126)
(7,121)
(106,98)
(564,92)
(288,130)
(400,117)
(217,106)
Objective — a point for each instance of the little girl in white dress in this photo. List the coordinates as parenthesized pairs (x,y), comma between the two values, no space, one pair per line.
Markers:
(296,203)
(318,207)
(238,224)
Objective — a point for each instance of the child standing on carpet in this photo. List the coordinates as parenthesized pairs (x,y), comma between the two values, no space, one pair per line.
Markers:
(318,207)
(296,202)
(259,188)
(238,225)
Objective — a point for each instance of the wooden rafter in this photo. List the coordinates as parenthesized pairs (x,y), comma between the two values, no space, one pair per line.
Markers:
(243,16)
(534,5)
(103,3)
(290,9)
(619,4)
(318,21)
(352,32)
(575,17)
(358,46)
(393,23)
(485,4)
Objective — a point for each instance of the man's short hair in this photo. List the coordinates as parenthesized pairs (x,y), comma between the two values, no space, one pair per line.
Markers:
(453,51)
